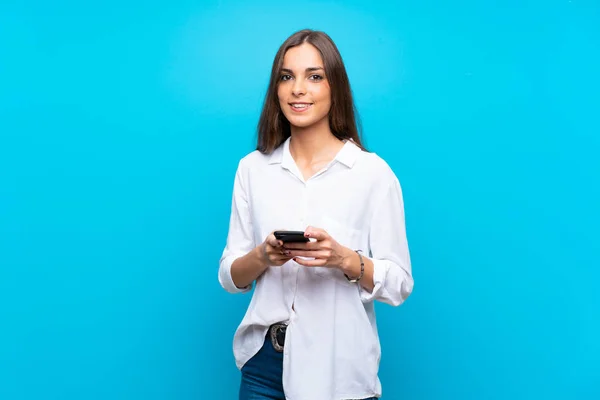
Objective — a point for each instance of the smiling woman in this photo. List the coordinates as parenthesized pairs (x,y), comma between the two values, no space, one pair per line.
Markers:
(304,95)
(310,332)
(308,71)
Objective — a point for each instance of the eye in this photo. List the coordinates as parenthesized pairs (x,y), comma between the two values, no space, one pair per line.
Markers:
(316,77)
(285,77)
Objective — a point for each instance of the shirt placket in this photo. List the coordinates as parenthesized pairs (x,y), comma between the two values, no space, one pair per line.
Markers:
(303,217)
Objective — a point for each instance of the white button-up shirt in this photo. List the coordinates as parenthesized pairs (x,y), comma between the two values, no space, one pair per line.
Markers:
(332,348)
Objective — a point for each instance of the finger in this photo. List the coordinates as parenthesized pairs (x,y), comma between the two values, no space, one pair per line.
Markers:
(305,253)
(311,263)
(316,233)
(273,242)
(301,246)
(279,256)
(277,253)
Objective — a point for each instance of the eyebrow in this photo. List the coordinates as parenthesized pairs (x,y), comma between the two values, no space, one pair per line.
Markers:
(309,69)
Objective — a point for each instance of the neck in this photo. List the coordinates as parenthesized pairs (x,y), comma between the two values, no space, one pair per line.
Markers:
(314,143)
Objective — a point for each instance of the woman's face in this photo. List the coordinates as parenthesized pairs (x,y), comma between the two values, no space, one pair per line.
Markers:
(304,93)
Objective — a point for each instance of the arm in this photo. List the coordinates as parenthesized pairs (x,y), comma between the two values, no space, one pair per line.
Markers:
(242,261)
(248,268)
(240,240)
(390,263)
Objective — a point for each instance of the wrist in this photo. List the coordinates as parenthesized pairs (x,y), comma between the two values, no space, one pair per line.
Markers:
(354,266)
(261,255)
(349,262)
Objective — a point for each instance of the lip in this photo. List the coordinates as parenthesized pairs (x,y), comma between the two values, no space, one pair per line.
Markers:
(302,109)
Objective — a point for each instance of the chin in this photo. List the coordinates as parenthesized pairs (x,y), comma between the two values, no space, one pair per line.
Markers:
(301,124)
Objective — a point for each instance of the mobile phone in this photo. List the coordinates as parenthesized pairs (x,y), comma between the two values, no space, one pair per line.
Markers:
(290,236)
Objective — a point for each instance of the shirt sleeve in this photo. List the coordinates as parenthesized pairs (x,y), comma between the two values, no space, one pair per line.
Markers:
(239,238)
(388,249)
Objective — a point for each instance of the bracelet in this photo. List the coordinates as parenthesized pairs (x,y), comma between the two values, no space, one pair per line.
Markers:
(362,269)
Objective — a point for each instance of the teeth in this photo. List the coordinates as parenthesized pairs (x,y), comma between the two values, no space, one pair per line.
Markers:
(300,105)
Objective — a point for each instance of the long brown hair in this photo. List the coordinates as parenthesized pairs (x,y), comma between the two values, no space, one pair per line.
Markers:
(273,126)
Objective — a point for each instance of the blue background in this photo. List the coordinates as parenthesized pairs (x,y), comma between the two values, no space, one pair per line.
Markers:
(121,124)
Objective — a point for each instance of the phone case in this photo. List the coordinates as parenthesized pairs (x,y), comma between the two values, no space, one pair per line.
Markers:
(290,236)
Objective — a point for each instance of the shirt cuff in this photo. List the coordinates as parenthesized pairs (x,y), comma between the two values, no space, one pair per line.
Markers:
(380,268)
(225,278)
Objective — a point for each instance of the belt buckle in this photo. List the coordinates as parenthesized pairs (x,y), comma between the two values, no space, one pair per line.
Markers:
(273,330)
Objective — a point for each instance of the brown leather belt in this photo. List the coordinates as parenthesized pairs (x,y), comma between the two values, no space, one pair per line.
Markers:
(277,335)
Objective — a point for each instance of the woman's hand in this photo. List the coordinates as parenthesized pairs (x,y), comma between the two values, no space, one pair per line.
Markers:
(272,252)
(325,250)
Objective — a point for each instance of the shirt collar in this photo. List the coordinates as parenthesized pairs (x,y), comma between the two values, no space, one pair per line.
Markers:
(347,155)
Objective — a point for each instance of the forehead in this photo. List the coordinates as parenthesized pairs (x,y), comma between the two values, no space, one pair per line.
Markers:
(302,57)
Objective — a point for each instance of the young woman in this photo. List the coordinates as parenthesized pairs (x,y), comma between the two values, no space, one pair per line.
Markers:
(310,331)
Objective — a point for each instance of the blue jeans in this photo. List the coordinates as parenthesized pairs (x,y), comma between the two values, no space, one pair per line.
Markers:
(261,375)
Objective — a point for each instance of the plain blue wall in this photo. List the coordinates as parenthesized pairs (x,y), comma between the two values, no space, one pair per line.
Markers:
(121,124)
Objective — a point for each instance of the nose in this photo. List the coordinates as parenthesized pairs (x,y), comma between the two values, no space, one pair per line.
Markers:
(298,89)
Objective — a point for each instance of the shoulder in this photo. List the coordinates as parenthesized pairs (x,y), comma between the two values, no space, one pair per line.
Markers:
(252,160)
(254,157)
(377,167)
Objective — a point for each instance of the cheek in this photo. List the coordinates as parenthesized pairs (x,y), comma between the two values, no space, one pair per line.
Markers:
(324,99)
(323,94)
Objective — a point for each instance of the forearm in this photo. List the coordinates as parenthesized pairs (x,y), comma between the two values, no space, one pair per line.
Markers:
(248,268)
(351,267)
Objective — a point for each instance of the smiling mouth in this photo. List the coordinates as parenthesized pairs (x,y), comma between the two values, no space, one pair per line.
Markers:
(300,106)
